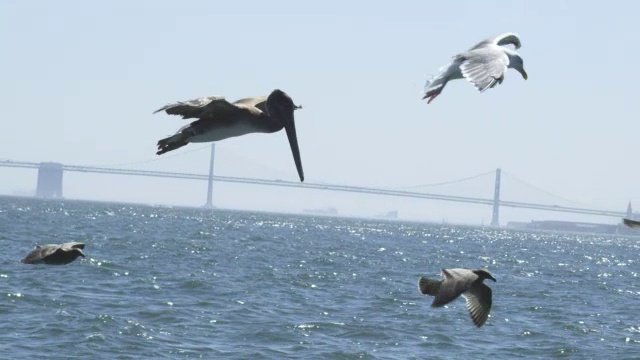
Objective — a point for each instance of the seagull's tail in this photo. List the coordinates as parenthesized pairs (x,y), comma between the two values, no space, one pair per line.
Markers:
(428,286)
(436,83)
(434,86)
(171,143)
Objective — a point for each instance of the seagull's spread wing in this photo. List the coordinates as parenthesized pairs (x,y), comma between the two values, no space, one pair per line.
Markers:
(485,67)
(500,40)
(478,302)
(73,245)
(454,284)
(39,253)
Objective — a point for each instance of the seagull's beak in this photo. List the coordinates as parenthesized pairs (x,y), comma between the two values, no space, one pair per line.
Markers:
(524,73)
(290,128)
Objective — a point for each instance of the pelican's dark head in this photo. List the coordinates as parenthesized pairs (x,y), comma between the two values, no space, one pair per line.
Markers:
(280,107)
(484,274)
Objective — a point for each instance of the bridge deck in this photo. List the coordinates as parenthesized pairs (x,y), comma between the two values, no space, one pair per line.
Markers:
(321,186)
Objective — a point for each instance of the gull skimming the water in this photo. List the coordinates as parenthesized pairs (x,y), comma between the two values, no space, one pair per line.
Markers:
(219,119)
(468,283)
(631,223)
(53,254)
(484,65)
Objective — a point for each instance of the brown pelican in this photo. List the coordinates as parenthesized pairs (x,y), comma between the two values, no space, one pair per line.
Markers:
(484,65)
(53,254)
(468,283)
(218,119)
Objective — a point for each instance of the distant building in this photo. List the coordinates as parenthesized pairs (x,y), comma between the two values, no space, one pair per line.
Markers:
(581,227)
(323,211)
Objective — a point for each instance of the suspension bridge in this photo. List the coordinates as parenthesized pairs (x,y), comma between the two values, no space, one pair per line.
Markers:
(50,185)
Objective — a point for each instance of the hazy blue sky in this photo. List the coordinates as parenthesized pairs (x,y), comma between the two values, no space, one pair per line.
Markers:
(81,79)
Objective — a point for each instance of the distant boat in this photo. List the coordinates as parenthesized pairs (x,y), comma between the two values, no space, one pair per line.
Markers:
(29,193)
(578,227)
(323,211)
(393,214)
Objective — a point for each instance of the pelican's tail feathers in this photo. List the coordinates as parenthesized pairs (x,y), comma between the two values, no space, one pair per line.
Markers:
(171,143)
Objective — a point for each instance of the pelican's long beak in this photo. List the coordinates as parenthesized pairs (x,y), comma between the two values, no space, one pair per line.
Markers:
(524,74)
(290,128)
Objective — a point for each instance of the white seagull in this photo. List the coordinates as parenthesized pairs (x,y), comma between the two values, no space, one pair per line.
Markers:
(468,283)
(484,65)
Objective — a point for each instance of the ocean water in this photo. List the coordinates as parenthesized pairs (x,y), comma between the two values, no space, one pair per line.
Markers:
(179,283)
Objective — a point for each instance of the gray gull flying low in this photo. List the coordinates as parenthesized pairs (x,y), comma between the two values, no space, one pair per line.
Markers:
(468,283)
(53,254)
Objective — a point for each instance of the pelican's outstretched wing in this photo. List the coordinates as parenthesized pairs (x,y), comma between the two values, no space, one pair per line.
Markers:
(259,102)
(199,108)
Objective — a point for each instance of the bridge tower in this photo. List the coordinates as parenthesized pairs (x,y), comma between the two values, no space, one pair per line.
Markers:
(49,180)
(495,218)
(209,203)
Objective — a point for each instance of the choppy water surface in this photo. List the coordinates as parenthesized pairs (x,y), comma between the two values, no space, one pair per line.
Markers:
(190,283)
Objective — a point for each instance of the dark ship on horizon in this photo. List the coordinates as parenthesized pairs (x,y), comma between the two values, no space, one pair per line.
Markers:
(580,227)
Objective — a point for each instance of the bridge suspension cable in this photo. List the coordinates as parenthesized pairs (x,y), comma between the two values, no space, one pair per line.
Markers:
(259,166)
(511,176)
(447,182)
(182,153)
